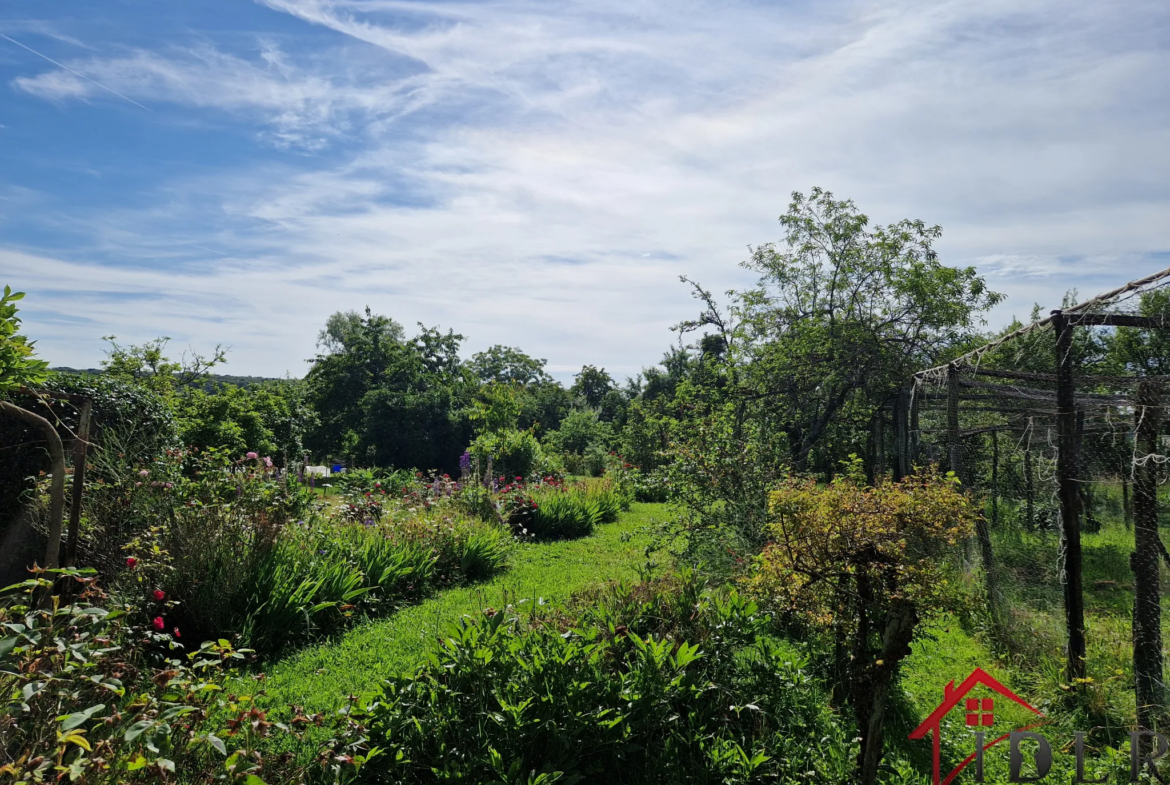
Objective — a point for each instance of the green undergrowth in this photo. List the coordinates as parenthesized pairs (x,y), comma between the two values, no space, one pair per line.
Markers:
(320,677)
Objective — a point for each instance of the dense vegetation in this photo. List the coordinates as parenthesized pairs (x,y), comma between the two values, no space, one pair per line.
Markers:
(773,623)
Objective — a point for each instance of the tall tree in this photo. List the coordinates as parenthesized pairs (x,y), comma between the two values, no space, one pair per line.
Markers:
(841,315)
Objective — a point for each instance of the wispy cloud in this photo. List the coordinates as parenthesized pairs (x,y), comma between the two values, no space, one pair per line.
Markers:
(468,149)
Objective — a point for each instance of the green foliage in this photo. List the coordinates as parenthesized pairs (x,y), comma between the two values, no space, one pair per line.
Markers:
(18,367)
(511,453)
(270,419)
(579,431)
(388,402)
(863,566)
(496,408)
(659,683)
(592,384)
(96,695)
(507,365)
(244,554)
(566,511)
(148,366)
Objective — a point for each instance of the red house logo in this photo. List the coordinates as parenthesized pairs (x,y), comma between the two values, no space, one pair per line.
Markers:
(979,713)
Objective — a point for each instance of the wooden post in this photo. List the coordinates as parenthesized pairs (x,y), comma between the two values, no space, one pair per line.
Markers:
(958,466)
(901,435)
(954,445)
(80,450)
(915,433)
(1147,607)
(57,488)
(1066,470)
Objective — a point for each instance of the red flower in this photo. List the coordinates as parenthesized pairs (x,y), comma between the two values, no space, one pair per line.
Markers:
(159,624)
(131,561)
(159,594)
(177,635)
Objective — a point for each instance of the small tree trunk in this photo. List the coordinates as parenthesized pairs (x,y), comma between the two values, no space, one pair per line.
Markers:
(57,489)
(896,638)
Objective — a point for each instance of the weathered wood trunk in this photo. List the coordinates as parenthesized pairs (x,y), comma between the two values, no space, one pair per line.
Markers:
(896,638)
(1066,470)
(1147,607)
(80,453)
(57,488)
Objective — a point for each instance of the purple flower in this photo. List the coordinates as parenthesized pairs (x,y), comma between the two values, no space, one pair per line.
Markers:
(465,464)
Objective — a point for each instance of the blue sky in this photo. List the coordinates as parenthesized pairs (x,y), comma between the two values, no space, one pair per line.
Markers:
(539,174)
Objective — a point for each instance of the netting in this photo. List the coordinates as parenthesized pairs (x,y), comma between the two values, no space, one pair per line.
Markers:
(1056,429)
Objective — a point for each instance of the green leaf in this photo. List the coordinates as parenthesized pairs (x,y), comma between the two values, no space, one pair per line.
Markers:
(137,729)
(80,718)
(252,779)
(7,645)
(217,742)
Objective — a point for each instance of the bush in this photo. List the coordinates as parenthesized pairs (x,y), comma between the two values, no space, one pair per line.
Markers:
(248,555)
(512,453)
(101,696)
(661,683)
(562,511)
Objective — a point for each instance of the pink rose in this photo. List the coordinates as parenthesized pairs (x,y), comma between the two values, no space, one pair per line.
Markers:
(251,456)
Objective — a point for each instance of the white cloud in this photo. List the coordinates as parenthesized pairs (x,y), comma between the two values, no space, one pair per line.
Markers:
(539,174)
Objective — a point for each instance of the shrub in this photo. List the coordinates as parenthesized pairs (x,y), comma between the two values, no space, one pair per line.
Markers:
(511,452)
(562,511)
(661,683)
(92,694)
(865,565)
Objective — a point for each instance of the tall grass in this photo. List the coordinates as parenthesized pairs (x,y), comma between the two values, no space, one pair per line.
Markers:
(574,510)
(312,577)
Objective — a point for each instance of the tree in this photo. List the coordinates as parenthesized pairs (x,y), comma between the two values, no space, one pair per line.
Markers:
(343,329)
(592,384)
(147,365)
(20,369)
(392,402)
(843,314)
(865,565)
(508,365)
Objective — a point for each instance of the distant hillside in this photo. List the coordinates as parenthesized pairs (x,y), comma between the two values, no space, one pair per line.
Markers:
(214,379)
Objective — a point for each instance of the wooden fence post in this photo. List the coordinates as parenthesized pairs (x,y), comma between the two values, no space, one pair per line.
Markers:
(954,444)
(1066,470)
(1147,551)
(958,466)
(80,451)
(901,435)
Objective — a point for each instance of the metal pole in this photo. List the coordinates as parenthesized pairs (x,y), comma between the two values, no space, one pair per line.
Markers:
(1066,469)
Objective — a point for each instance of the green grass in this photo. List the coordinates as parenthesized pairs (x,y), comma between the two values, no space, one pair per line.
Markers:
(321,677)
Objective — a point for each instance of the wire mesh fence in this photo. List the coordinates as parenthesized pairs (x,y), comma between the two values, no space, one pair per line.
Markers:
(1057,430)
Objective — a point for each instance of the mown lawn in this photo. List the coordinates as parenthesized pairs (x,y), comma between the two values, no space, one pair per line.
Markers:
(320,677)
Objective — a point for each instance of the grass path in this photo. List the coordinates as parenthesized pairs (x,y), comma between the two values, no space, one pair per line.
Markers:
(320,677)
